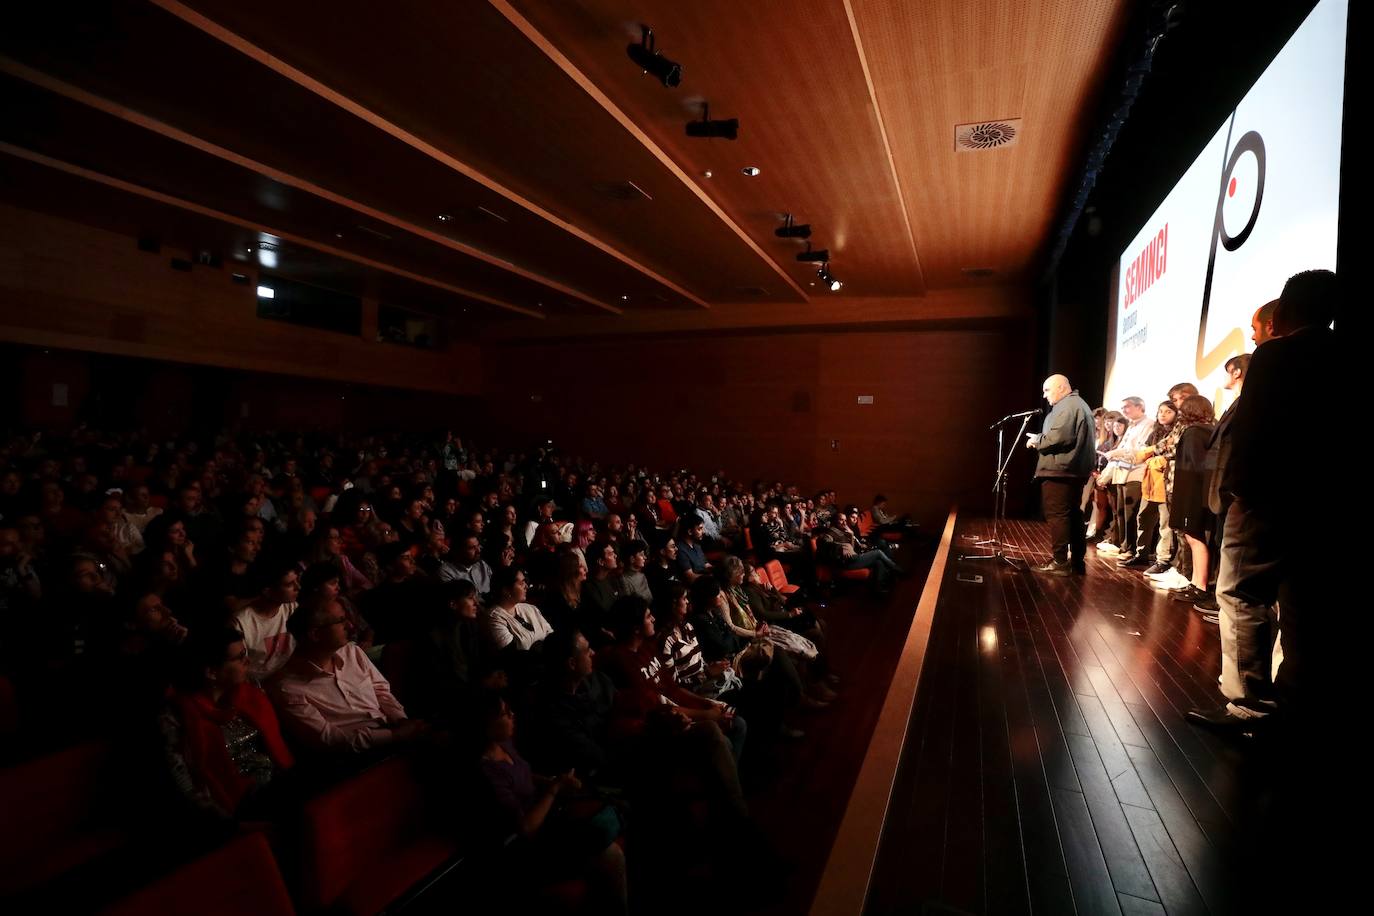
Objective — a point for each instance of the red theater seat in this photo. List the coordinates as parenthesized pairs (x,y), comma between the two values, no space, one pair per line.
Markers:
(778,576)
(54,816)
(827,573)
(370,839)
(239,877)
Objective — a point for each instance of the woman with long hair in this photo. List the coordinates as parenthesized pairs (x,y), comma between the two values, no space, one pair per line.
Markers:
(1187,487)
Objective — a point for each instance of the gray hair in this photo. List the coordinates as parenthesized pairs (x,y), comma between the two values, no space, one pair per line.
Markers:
(1133,401)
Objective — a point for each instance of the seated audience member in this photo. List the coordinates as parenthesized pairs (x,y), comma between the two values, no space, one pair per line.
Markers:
(167,532)
(593,506)
(558,843)
(768,606)
(20,586)
(691,553)
(143,659)
(711,522)
(124,534)
(413,524)
(632,578)
(747,626)
(772,685)
(227,586)
(584,534)
(563,602)
(885,520)
(604,584)
(451,663)
(680,652)
(468,563)
(543,560)
(573,713)
(328,547)
(220,734)
(433,560)
(263,622)
(663,570)
(395,607)
(510,622)
(330,695)
(321,582)
(138,507)
(845,547)
(635,666)
(667,511)
(543,515)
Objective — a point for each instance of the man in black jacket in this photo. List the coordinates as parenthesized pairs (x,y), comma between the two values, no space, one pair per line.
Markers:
(1066,458)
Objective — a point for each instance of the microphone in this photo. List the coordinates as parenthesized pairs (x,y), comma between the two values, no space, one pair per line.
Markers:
(1018,416)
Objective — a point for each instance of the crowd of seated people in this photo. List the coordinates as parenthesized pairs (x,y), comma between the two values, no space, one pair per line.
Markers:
(272,612)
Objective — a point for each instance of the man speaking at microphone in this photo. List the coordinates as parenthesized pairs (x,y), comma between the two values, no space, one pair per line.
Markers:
(1066,460)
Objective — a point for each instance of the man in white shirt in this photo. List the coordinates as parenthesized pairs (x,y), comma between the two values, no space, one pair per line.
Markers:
(1127,473)
(331,696)
(510,622)
(263,623)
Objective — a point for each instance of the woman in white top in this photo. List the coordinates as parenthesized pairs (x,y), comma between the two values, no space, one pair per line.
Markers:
(511,623)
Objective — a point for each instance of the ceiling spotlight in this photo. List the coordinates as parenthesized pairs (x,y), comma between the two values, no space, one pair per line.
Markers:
(653,63)
(751,170)
(444,217)
(829,279)
(820,254)
(789,231)
(723,129)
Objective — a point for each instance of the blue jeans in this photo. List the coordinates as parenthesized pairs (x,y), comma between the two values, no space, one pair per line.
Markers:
(883,566)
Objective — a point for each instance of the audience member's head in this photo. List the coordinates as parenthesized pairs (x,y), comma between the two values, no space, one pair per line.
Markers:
(629,619)
(1236,367)
(213,659)
(508,586)
(1309,300)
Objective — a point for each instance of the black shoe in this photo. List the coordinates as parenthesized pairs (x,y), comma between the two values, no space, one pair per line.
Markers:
(1157,569)
(1139,561)
(1220,718)
(1053,568)
(1207,604)
(1188,593)
(1211,618)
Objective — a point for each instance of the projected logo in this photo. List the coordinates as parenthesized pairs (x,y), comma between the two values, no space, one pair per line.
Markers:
(1239,197)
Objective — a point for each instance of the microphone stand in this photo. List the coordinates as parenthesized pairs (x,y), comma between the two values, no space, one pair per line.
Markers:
(999,497)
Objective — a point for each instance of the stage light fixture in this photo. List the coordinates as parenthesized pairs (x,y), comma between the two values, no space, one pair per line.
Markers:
(726,129)
(667,72)
(820,254)
(789,231)
(832,282)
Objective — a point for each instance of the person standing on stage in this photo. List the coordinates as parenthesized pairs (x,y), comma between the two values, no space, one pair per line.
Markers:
(1066,459)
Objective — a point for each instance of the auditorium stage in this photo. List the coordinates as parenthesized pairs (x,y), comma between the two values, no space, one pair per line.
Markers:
(1048,766)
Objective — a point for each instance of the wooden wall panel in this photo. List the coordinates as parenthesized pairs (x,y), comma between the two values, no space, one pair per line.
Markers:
(63,284)
(769,405)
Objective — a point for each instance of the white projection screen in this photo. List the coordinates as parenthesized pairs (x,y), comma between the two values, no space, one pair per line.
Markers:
(1257,205)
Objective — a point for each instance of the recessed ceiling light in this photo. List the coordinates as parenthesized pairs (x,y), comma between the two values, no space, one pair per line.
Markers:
(706,174)
(266,292)
(445,217)
(751,170)
(624,298)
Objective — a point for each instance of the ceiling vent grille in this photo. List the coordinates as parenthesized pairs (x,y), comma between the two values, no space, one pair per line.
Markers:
(986,135)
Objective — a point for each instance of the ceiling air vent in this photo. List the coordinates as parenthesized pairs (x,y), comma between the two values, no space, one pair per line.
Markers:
(986,135)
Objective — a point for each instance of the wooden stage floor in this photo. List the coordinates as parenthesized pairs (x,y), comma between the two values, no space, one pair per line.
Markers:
(1048,767)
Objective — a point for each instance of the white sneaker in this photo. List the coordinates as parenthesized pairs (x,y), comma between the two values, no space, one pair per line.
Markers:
(1159,574)
(1092,532)
(1107,547)
(1172,579)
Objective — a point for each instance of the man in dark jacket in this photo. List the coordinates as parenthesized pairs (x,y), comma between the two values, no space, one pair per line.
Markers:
(1066,459)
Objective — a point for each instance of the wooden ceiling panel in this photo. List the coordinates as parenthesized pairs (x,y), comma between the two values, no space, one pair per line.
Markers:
(124,53)
(56,127)
(946,62)
(464,78)
(792,75)
(32,186)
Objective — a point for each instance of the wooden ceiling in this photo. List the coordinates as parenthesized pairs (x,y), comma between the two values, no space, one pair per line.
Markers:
(343,131)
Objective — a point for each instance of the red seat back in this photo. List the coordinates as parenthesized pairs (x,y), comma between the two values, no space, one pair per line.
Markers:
(354,825)
(239,877)
(776,574)
(51,815)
